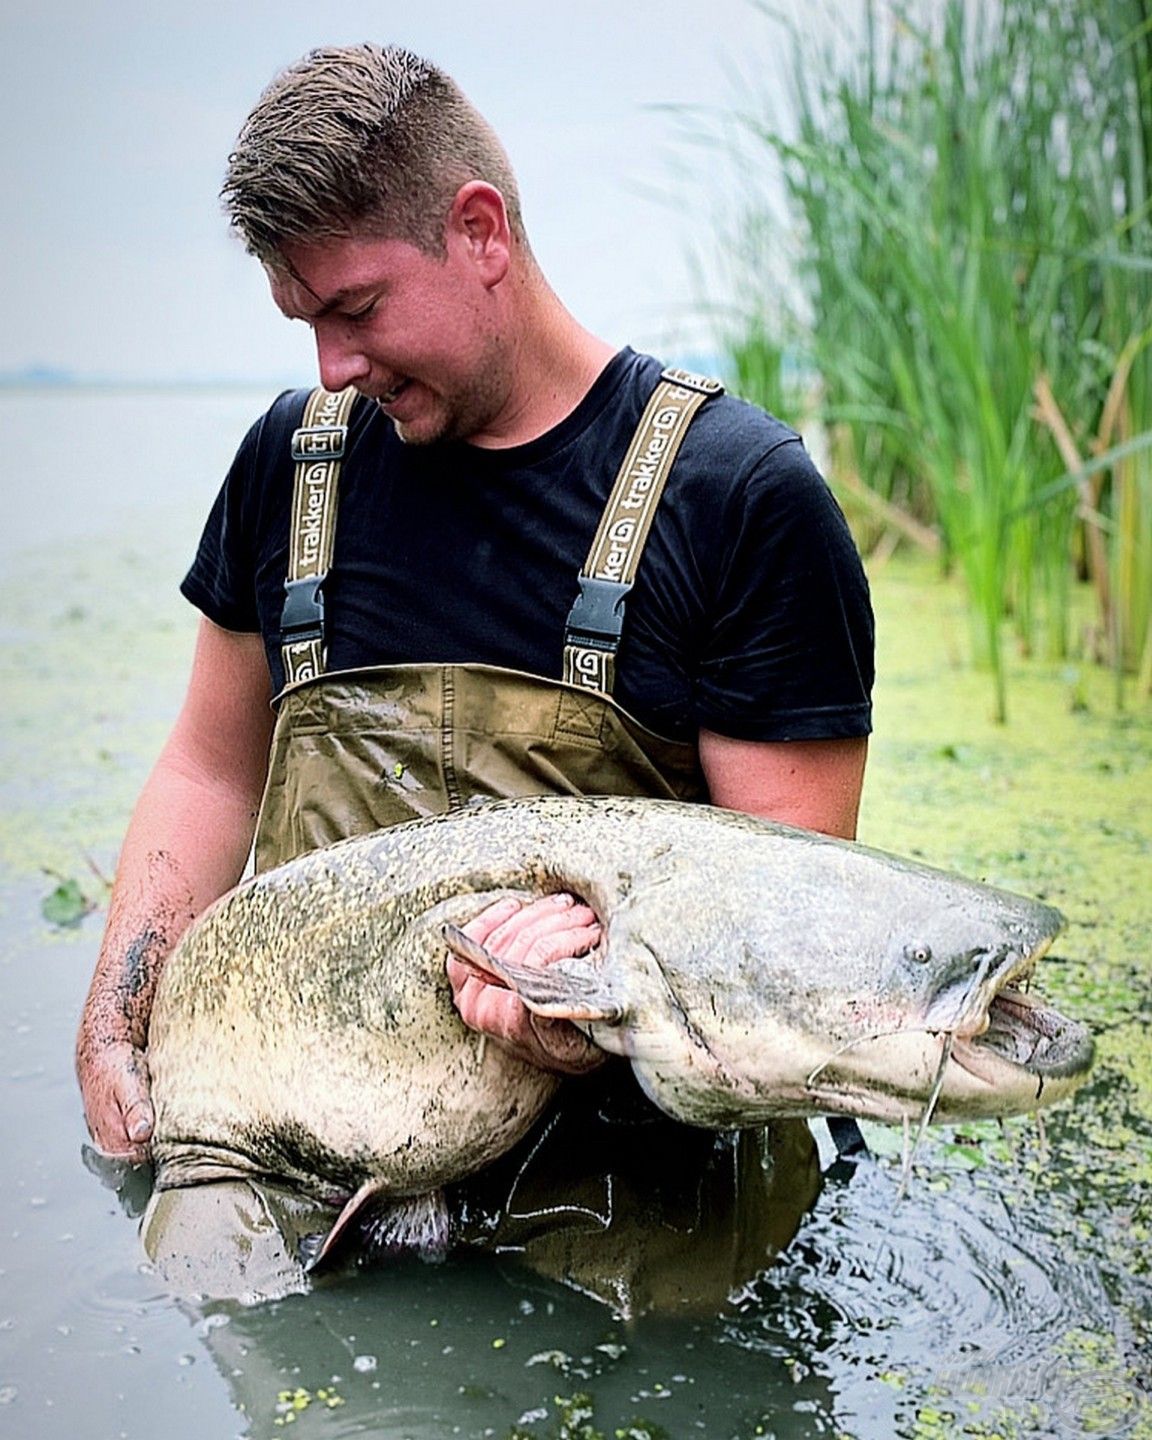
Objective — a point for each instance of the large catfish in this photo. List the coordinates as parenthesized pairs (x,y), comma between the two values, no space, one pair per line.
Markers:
(303,1031)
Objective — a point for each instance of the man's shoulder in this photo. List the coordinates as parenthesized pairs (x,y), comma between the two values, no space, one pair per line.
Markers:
(727,428)
(287,410)
(738,429)
(736,450)
(269,437)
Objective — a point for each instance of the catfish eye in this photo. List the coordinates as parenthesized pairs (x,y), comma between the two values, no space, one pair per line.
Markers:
(918,954)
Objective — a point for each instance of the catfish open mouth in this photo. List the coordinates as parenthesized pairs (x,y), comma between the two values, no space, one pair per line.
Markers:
(1025,1033)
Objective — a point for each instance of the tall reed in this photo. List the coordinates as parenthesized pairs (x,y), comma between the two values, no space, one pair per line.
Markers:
(974,199)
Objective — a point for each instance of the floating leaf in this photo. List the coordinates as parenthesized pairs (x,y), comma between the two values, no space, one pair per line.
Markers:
(66,905)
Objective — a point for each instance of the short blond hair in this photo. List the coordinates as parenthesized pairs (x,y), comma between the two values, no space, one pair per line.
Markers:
(360,139)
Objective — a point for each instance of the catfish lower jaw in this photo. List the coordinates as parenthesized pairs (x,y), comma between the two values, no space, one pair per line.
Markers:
(1023,1032)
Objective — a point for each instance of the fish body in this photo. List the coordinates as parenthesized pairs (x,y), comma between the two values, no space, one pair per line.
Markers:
(303,1030)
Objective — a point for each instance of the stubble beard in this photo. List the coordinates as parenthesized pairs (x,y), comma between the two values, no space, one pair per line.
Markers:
(469,410)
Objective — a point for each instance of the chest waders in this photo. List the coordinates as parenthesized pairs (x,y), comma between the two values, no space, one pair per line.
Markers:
(606,1194)
(359,750)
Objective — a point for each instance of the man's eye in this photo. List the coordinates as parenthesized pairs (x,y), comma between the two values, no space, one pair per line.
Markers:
(363,314)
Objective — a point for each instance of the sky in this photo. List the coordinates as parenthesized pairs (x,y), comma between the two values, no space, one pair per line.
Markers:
(118,116)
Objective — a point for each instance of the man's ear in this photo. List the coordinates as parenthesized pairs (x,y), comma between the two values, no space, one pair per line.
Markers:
(478,225)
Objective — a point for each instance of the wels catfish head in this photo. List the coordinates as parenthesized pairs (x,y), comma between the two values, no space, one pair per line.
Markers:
(792,974)
(947,1028)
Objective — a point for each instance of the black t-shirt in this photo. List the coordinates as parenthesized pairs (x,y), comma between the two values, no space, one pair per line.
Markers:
(750,614)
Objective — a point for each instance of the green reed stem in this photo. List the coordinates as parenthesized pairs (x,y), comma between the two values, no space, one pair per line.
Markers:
(974,196)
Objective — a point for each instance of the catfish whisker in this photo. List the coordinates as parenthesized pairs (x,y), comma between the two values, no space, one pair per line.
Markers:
(937,1084)
(1042,1137)
(863,1040)
(929,1109)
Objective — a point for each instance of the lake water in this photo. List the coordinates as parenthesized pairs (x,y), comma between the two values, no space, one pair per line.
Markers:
(1007,1294)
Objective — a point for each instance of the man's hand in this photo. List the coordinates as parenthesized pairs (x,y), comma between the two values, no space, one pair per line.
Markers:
(118,1108)
(556,927)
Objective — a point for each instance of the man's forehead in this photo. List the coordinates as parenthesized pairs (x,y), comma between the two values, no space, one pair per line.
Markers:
(294,293)
(314,279)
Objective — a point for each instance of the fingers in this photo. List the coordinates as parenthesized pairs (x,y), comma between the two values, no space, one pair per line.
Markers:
(139,1118)
(492,1009)
(555,927)
(130,1137)
(117,1104)
(491,919)
(115,1142)
(499,1013)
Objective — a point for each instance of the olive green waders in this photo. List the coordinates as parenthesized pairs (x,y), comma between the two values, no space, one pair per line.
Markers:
(606,1194)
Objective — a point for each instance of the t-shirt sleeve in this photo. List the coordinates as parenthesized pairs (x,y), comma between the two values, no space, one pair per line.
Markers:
(789,649)
(221,582)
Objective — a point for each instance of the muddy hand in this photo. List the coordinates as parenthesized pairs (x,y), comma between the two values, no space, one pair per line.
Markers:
(556,927)
(117,1105)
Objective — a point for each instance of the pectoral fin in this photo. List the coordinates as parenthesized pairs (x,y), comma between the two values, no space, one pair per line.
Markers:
(566,990)
(374,1222)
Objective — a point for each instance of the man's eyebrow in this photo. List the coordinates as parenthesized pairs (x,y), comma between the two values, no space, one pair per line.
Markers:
(341,297)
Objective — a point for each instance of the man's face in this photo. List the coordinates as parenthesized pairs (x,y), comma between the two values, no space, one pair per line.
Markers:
(417,333)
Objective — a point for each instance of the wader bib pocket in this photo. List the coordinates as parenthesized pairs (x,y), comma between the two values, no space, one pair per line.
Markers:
(367,749)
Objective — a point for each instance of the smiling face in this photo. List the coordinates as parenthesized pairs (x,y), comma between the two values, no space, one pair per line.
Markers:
(428,337)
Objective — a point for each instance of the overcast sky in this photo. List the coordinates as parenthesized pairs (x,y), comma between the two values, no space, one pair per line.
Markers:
(118,116)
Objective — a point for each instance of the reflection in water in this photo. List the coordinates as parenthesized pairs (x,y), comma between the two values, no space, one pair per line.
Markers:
(657,1220)
(618,1281)
(132,1184)
(616,1200)
(964,1284)
(682,1279)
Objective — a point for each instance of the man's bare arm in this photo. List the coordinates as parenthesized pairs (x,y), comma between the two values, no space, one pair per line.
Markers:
(187,843)
(814,784)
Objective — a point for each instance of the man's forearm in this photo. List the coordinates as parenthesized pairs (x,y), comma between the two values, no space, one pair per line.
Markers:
(187,844)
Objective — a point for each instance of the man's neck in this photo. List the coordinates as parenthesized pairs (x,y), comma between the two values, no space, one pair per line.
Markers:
(555,362)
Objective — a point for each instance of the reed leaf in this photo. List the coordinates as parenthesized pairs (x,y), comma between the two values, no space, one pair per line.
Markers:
(972,184)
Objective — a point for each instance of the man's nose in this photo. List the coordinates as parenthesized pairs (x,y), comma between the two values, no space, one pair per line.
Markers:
(342,361)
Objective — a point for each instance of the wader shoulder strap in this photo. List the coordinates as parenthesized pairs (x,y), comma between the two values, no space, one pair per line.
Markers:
(592,633)
(317,449)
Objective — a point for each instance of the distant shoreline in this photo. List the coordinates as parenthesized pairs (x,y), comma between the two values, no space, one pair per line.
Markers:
(48,385)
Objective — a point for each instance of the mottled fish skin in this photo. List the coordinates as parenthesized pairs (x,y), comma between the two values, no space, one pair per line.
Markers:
(303,1030)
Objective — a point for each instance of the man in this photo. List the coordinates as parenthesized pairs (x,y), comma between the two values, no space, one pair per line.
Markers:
(473,477)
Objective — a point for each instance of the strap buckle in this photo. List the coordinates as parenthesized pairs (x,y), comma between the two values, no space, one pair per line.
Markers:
(689,380)
(302,618)
(597,616)
(318,442)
